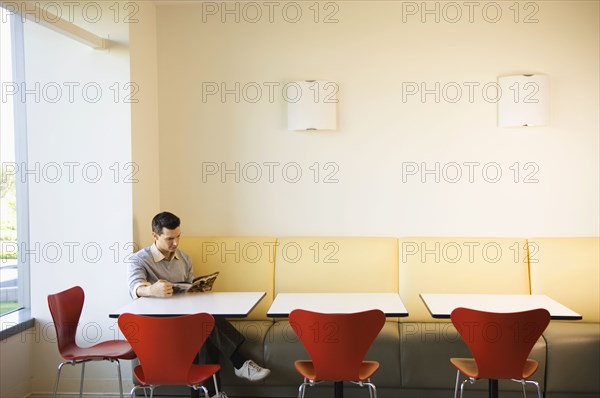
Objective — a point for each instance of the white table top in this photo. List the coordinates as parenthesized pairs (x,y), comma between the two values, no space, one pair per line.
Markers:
(228,304)
(337,303)
(441,305)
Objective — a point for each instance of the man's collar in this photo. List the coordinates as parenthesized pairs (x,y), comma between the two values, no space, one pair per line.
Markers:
(157,255)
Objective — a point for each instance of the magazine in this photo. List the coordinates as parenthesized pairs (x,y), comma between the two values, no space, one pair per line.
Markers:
(202,283)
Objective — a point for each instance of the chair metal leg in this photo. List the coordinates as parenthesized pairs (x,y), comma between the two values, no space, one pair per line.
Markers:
(465,381)
(119,374)
(205,390)
(216,386)
(372,389)
(81,381)
(462,385)
(301,390)
(456,384)
(370,386)
(133,390)
(57,378)
(524,382)
(537,386)
(82,363)
(144,388)
(524,392)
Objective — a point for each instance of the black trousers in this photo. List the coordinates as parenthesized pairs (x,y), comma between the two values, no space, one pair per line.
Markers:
(222,342)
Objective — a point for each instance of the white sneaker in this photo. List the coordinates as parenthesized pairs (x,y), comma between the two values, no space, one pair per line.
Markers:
(220,395)
(251,371)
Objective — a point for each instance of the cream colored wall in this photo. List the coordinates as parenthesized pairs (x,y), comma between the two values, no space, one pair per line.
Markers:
(15,365)
(144,122)
(374,51)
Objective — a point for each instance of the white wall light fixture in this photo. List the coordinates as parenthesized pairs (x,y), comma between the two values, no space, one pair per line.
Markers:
(524,100)
(311,105)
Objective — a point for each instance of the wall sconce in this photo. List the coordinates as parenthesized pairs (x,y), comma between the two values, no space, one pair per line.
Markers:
(524,100)
(312,105)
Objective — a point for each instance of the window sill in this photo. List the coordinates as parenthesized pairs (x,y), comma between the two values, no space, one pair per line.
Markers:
(15,322)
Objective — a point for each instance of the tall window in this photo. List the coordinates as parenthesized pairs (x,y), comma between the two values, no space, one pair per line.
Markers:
(14,271)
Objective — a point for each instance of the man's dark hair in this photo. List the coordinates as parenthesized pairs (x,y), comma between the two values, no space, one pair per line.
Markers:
(164,220)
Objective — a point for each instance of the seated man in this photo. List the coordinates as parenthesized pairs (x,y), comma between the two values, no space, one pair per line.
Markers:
(154,269)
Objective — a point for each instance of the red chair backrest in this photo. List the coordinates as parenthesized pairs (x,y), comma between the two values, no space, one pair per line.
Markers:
(337,343)
(65,308)
(500,342)
(166,346)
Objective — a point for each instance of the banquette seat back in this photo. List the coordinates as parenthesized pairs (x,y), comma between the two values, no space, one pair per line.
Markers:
(459,265)
(245,264)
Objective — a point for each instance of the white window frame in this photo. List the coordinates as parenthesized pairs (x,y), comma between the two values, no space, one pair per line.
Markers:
(17,321)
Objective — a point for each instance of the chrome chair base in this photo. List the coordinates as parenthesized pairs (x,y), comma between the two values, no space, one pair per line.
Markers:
(83,362)
(195,387)
(471,380)
(311,383)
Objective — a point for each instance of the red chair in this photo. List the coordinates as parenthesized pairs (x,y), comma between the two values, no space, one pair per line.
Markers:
(65,308)
(166,348)
(500,344)
(337,345)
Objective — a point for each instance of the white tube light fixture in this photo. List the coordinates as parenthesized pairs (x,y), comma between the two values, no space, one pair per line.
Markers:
(524,100)
(312,105)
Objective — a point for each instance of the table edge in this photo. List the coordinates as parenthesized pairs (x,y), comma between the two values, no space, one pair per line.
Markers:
(387,314)
(553,317)
(116,315)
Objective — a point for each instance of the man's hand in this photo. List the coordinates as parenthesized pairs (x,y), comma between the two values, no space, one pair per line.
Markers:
(161,288)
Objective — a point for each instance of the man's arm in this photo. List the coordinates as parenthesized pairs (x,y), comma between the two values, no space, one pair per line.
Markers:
(161,288)
(138,280)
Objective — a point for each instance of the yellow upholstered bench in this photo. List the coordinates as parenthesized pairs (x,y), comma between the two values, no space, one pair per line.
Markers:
(413,351)
(568,270)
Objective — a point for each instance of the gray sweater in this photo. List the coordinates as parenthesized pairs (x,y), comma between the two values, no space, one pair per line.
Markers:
(148,266)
